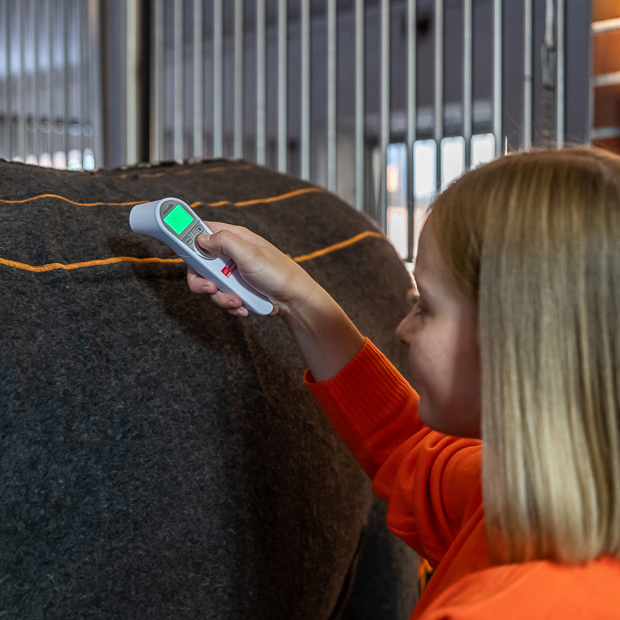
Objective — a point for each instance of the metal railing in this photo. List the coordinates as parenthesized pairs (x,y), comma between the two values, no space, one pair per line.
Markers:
(380,101)
(50,110)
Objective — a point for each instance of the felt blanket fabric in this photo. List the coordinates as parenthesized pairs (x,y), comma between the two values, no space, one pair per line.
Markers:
(160,458)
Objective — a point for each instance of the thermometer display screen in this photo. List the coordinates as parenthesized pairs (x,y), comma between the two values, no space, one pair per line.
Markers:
(178,219)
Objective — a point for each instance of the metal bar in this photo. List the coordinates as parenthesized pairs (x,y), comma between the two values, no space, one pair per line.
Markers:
(305,89)
(50,80)
(218,79)
(36,84)
(467,79)
(497,76)
(598,133)
(527,74)
(438,88)
(67,102)
(238,138)
(282,87)
(178,80)
(607,79)
(561,74)
(157,90)
(198,80)
(605,25)
(332,95)
(359,105)
(21,88)
(130,78)
(85,80)
(385,109)
(411,121)
(94,11)
(6,87)
(261,83)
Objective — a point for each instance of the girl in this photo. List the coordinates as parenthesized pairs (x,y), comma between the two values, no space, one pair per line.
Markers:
(513,338)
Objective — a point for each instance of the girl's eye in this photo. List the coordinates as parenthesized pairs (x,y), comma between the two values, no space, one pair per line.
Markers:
(413,297)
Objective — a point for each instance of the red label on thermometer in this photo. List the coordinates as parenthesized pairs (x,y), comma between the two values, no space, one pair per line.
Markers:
(229,268)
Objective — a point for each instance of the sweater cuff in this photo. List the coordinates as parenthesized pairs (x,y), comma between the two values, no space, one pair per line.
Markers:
(370,386)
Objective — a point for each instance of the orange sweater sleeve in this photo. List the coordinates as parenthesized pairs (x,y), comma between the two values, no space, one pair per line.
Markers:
(426,477)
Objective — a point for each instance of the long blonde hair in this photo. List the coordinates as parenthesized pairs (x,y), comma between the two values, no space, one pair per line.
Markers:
(535,238)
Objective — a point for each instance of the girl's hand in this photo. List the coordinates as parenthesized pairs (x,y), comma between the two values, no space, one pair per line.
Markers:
(260,264)
(326,337)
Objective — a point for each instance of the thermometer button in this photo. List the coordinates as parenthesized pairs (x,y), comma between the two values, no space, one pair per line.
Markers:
(202,252)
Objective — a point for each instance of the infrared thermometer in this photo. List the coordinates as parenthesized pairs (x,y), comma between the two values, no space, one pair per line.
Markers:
(174,223)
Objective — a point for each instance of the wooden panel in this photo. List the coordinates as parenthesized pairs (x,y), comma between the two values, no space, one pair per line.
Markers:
(607,106)
(610,144)
(606,52)
(605,9)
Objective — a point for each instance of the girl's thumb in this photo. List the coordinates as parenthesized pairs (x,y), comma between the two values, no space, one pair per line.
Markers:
(204,242)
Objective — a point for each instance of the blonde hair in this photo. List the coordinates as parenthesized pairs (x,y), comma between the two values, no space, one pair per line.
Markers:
(535,238)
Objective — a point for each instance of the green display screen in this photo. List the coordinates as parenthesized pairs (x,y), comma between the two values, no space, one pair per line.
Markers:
(178,219)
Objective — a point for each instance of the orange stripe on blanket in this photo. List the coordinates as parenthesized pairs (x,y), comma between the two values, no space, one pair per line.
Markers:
(245,203)
(91,263)
(131,259)
(80,204)
(338,246)
(256,201)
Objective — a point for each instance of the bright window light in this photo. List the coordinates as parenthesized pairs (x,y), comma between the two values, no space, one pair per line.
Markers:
(75,160)
(452,159)
(424,172)
(397,229)
(45,160)
(59,160)
(482,149)
(89,159)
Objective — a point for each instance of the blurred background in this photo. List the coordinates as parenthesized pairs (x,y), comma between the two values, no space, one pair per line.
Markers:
(383,102)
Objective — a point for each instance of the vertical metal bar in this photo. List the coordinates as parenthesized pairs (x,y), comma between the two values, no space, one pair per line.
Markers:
(67,103)
(130,78)
(218,79)
(36,87)
(305,89)
(411,121)
(51,81)
(238,138)
(198,81)
(157,89)
(497,76)
(561,68)
(22,85)
(385,108)
(467,79)
(282,86)
(359,105)
(261,83)
(10,87)
(78,86)
(94,11)
(332,95)
(178,80)
(5,84)
(438,87)
(527,74)
(84,77)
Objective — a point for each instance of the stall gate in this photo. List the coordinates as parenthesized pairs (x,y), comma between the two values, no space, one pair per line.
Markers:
(382,101)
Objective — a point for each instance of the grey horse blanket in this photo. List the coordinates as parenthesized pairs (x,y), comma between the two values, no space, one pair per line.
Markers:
(160,458)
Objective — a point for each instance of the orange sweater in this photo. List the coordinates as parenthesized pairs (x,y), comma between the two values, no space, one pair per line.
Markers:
(432,485)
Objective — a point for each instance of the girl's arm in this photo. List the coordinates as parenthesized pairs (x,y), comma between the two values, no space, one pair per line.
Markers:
(326,337)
